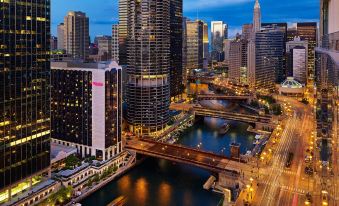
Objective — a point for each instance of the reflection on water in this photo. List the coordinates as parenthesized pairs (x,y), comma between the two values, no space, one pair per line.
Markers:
(163,183)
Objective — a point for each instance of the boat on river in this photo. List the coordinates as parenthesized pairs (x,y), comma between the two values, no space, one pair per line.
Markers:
(119,201)
(224,128)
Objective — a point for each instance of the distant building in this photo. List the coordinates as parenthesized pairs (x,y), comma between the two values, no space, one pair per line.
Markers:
(86,110)
(61,34)
(54,43)
(206,42)
(76,34)
(238,61)
(307,31)
(256,17)
(115,42)
(246,31)
(124,9)
(296,60)
(225,31)
(227,46)
(291,33)
(217,39)
(194,46)
(104,44)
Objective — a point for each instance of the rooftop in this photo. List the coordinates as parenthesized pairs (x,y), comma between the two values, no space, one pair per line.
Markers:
(291,83)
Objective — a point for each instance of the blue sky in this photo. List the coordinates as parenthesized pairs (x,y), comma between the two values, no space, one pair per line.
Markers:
(103,13)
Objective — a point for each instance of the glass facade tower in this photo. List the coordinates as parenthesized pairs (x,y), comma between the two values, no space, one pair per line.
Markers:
(148,65)
(24,90)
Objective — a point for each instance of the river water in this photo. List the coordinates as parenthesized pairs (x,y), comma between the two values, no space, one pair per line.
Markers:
(163,183)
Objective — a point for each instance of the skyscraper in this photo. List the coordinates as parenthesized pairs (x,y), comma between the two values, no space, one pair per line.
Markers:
(122,34)
(225,31)
(251,55)
(176,66)
(269,50)
(86,110)
(148,87)
(329,16)
(104,44)
(246,31)
(25,92)
(291,60)
(327,83)
(307,31)
(206,41)
(115,42)
(256,17)
(61,33)
(76,34)
(217,39)
(283,28)
(194,45)
(238,60)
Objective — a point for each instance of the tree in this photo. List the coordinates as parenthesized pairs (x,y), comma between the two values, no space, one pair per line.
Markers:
(71,161)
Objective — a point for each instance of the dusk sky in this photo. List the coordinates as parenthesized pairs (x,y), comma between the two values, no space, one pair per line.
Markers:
(103,13)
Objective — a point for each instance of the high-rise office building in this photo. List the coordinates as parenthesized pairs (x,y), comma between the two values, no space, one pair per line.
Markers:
(86,107)
(291,33)
(76,34)
(225,31)
(176,67)
(256,17)
(227,47)
(251,55)
(61,33)
(122,33)
(104,44)
(327,83)
(246,31)
(194,46)
(329,17)
(115,42)
(148,87)
(283,28)
(299,63)
(269,50)
(238,61)
(184,50)
(25,94)
(290,45)
(307,31)
(206,42)
(217,39)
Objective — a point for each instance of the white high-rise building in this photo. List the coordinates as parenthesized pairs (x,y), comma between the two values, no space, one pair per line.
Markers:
(299,56)
(61,43)
(217,39)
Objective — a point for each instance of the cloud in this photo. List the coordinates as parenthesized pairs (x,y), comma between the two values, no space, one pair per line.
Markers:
(192,5)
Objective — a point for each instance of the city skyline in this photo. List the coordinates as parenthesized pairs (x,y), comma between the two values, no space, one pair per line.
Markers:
(234,13)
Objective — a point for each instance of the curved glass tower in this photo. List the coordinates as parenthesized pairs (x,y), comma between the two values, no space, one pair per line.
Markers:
(148,63)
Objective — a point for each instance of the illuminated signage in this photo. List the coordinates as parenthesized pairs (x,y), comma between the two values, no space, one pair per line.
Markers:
(97,84)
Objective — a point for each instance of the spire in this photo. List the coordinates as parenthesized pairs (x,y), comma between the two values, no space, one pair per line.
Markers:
(256,17)
(257,5)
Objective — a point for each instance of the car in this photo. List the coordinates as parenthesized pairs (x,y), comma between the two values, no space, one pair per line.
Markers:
(324,197)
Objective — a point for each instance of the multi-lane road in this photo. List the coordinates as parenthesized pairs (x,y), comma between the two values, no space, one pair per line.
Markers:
(278,184)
